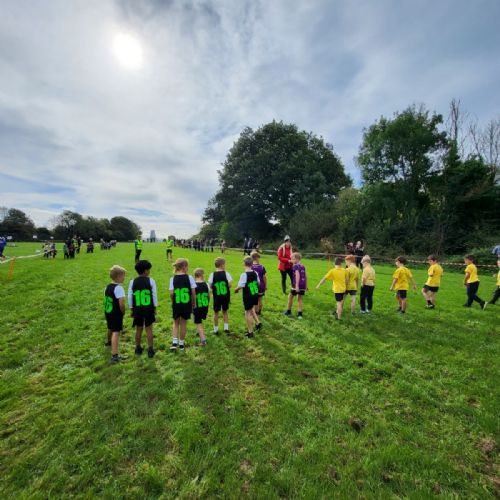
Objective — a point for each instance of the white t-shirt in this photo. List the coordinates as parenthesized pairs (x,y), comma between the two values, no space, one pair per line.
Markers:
(192,283)
(153,290)
(211,278)
(243,279)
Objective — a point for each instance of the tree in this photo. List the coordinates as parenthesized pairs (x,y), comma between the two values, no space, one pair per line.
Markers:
(43,233)
(18,225)
(123,229)
(67,224)
(269,174)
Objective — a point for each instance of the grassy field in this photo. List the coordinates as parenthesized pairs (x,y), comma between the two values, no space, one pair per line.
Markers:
(380,406)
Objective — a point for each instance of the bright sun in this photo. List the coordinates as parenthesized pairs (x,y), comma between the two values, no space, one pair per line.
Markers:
(127,50)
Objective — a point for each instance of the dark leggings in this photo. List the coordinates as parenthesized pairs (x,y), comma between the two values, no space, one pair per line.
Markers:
(496,295)
(283,278)
(366,297)
(472,294)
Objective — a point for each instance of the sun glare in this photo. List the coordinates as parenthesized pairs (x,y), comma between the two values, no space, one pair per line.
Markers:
(127,50)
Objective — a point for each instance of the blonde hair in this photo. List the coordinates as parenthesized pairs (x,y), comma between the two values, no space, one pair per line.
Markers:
(219,261)
(199,272)
(248,261)
(296,255)
(116,271)
(255,255)
(180,264)
(367,258)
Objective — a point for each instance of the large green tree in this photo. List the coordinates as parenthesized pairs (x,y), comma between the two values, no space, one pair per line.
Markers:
(269,174)
(17,224)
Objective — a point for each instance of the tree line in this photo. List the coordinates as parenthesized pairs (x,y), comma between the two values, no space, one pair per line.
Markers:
(428,186)
(16,223)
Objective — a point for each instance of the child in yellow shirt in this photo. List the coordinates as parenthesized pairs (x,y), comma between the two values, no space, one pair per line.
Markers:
(401,283)
(471,282)
(433,282)
(367,285)
(496,293)
(352,280)
(339,277)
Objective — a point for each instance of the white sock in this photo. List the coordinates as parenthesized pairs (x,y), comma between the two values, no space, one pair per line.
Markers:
(181,342)
(175,340)
(216,328)
(226,326)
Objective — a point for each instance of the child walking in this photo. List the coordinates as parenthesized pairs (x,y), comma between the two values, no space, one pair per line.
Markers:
(433,282)
(352,280)
(299,285)
(338,275)
(249,283)
(114,309)
(401,283)
(367,285)
(183,295)
(471,282)
(261,273)
(202,301)
(220,283)
(143,301)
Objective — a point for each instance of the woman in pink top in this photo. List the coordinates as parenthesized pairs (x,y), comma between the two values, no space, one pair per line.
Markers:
(285,264)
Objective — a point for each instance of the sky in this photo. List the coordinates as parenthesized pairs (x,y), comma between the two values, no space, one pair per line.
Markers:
(80,129)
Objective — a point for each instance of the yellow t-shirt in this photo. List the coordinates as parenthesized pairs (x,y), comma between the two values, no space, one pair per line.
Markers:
(498,278)
(338,276)
(434,272)
(472,270)
(352,277)
(369,275)
(402,276)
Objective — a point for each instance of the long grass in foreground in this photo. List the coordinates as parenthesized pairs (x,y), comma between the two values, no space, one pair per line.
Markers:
(374,406)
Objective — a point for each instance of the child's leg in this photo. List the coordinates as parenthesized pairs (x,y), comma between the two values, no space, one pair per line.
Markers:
(175,330)
(496,295)
(362,299)
(425,294)
(432,298)
(353,304)
(289,302)
(149,334)
(110,333)
(138,335)
(249,320)
(225,314)
(183,328)
(300,303)
(216,321)
(201,332)
(369,298)
(114,342)
(254,316)
(259,305)
(340,309)
(403,305)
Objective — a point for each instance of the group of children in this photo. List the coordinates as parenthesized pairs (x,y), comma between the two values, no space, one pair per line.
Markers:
(191,295)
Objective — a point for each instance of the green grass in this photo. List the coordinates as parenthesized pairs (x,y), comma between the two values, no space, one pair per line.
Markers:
(265,418)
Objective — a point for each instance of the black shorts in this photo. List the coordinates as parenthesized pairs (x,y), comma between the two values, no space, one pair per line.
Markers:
(181,314)
(181,311)
(250,302)
(339,297)
(221,304)
(169,251)
(351,292)
(429,288)
(200,314)
(297,292)
(115,324)
(143,318)
(401,294)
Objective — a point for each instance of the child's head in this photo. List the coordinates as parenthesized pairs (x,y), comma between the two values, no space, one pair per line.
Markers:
(220,263)
(366,261)
(469,259)
(181,265)
(432,259)
(498,262)
(295,257)
(117,274)
(143,267)
(247,261)
(199,273)
(255,256)
(350,259)
(401,261)
(338,261)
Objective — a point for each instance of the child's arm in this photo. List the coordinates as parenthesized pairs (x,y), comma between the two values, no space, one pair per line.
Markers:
(414,284)
(392,284)
(323,279)
(466,279)
(264,279)
(121,303)
(193,297)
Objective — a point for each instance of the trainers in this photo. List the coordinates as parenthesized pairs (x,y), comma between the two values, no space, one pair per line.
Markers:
(363,312)
(118,357)
(151,352)
(181,347)
(432,306)
(174,346)
(227,332)
(483,306)
(299,316)
(203,343)
(249,335)
(287,312)
(139,349)
(402,312)
(258,326)
(216,332)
